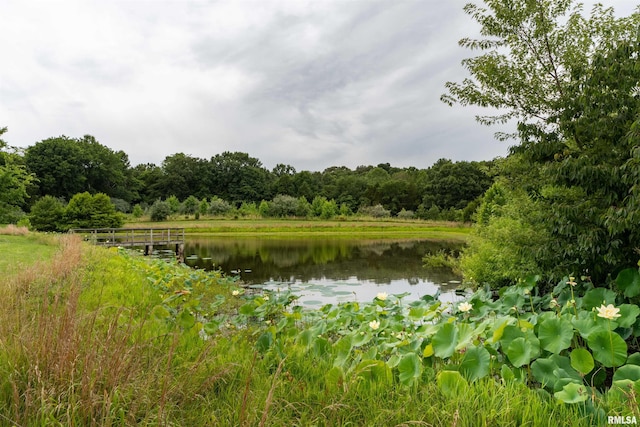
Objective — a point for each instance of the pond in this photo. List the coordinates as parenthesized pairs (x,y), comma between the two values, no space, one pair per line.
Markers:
(325,270)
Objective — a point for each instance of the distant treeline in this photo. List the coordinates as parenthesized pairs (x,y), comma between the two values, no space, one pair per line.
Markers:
(64,167)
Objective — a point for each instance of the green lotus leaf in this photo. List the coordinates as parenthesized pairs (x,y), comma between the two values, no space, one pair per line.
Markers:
(451,383)
(608,348)
(585,324)
(475,363)
(334,377)
(628,315)
(582,360)
(509,334)
(375,371)
(264,342)
(507,374)
(627,372)
(634,359)
(445,340)
(572,393)
(342,349)
(186,320)
(409,368)
(555,334)
(629,282)
(596,296)
(542,371)
(519,352)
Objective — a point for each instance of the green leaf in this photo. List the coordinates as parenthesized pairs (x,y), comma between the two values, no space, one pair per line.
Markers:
(634,359)
(628,281)
(572,393)
(475,363)
(445,340)
(334,377)
(543,371)
(608,348)
(409,368)
(519,352)
(159,312)
(596,297)
(342,347)
(582,361)
(374,370)
(555,334)
(451,383)
(586,325)
(186,320)
(628,315)
(264,342)
(627,372)
(507,374)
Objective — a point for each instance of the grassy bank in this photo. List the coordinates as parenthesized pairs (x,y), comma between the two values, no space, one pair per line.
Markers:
(391,228)
(97,337)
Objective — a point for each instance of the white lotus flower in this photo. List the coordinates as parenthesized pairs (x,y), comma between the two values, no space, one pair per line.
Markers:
(465,307)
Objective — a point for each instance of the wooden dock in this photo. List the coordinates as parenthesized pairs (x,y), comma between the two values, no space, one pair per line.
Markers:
(145,238)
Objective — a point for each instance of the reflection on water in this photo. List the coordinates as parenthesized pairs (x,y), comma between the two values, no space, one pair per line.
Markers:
(328,270)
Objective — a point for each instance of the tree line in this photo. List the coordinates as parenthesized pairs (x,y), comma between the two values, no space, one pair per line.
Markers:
(63,167)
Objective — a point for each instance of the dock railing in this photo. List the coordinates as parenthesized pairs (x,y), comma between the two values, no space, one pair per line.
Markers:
(134,237)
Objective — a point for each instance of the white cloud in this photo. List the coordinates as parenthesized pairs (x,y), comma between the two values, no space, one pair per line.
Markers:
(308,83)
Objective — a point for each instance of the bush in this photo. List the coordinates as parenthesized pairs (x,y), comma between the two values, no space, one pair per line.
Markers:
(405,214)
(174,204)
(377,211)
(219,207)
(47,214)
(87,211)
(137,211)
(283,206)
(121,205)
(160,211)
(190,205)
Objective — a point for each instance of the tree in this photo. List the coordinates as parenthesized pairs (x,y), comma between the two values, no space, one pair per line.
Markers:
(534,49)
(91,211)
(237,177)
(159,211)
(190,205)
(571,83)
(47,214)
(66,166)
(14,181)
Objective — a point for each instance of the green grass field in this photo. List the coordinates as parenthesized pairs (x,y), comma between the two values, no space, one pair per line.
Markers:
(292,227)
(22,251)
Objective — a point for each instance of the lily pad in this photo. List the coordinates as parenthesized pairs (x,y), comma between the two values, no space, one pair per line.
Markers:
(608,348)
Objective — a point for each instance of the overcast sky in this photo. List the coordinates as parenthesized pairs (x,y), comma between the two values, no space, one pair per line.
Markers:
(312,84)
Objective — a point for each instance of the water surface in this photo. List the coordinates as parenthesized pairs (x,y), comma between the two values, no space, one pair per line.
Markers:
(325,270)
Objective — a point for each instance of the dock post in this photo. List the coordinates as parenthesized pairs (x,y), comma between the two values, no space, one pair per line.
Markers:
(148,249)
(180,252)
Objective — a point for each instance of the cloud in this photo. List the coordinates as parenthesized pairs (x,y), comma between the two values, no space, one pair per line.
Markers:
(307,83)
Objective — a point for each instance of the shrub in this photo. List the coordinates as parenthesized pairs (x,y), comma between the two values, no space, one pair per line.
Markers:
(219,207)
(283,206)
(137,211)
(377,211)
(160,211)
(121,205)
(190,205)
(87,211)
(47,214)
(174,204)
(405,214)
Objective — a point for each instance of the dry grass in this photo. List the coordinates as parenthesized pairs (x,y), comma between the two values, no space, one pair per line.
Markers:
(13,230)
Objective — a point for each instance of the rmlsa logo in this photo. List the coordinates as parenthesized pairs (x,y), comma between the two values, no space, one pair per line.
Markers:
(619,419)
